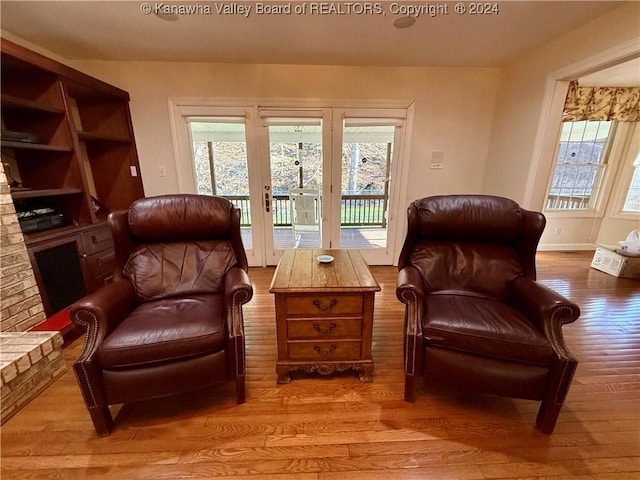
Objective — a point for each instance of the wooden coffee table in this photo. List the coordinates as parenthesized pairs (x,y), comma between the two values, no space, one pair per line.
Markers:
(324,313)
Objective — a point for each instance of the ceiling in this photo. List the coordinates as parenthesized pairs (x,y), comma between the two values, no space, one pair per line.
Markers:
(118,30)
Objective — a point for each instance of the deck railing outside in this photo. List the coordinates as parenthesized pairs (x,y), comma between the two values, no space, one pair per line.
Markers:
(356,210)
(567,202)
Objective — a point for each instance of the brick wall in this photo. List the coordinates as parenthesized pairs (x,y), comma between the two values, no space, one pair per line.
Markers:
(29,362)
(20,305)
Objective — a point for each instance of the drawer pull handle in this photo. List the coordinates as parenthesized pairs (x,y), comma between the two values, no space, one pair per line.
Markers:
(325,307)
(324,353)
(324,331)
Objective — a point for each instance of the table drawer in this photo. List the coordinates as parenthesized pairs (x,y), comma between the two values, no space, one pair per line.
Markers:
(324,351)
(323,328)
(324,304)
(101,263)
(97,239)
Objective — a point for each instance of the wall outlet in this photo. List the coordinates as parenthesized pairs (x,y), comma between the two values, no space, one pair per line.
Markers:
(557,230)
(162,171)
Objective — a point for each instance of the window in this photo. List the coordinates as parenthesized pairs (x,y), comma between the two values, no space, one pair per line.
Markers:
(580,165)
(632,200)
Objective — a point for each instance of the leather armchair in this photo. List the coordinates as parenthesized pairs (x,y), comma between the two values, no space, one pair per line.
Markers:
(475,317)
(171,320)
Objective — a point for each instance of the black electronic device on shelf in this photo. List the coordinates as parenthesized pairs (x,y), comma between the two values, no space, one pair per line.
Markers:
(39,220)
(24,137)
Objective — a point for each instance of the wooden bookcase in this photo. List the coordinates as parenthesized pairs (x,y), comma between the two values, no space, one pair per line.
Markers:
(80,161)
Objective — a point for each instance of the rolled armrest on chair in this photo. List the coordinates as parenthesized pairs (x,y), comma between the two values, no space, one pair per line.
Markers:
(540,304)
(237,291)
(409,285)
(102,311)
(548,311)
(410,291)
(237,287)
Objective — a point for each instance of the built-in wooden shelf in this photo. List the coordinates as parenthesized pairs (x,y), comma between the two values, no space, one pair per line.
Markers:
(97,137)
(83,158)
(36,146)
(11,101)
(47,192)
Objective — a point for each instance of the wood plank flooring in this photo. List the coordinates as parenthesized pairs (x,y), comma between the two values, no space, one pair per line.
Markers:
(337,428)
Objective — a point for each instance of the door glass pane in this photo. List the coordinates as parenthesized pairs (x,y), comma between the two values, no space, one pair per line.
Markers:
(220,161)
(367,151)
(295,152)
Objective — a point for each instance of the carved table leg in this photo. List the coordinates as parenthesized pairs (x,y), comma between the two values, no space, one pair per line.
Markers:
(366,373)
(283,374)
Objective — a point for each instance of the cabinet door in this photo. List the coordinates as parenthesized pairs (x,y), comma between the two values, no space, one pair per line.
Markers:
(59,273)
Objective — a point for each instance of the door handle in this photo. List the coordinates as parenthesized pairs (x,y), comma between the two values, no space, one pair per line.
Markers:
(324,352)
(324,331)
(267,202)
(325,306)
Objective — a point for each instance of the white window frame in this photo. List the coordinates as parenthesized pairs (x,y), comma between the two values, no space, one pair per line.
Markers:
(634,176)
(181,108)
(628,152)
(615,149)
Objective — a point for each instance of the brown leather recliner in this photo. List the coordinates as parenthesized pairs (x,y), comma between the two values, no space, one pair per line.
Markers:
(475,316)
(171,321)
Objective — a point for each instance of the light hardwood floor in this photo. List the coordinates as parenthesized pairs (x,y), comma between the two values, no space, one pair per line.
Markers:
(337,428)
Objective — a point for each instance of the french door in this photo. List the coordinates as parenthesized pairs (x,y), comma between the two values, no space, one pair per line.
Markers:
(302,177)
(368,152)
(295,155)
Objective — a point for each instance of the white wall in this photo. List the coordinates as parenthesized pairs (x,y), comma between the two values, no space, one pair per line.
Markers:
(454,108)
(487,121)
(614,230)
(521,117)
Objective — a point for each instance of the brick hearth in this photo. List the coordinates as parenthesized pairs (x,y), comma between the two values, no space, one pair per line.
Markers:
(30,362)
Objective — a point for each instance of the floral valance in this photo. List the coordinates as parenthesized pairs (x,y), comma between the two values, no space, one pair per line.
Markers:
(601,103)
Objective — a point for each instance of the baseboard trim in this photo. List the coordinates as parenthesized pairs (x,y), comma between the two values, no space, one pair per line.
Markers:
(565,247)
